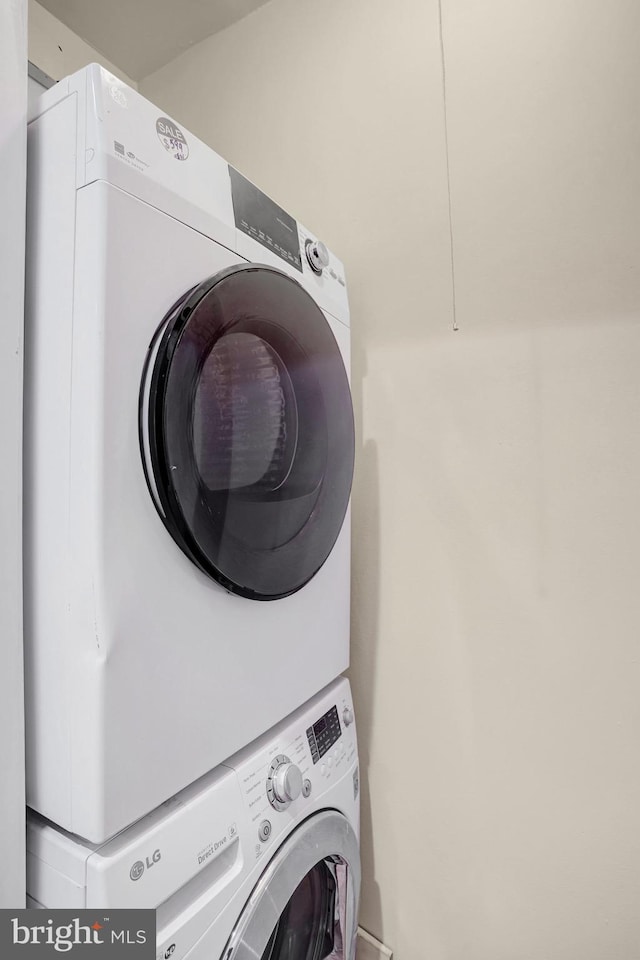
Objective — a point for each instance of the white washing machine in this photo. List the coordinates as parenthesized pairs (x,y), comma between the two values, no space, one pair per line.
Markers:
(259,860)
(188,459)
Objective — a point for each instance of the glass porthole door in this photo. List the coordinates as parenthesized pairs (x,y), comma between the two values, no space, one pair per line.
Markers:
(305,905)
(246,430)
(309,926)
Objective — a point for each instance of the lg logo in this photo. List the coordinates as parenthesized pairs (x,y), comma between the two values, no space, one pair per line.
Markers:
(138,867)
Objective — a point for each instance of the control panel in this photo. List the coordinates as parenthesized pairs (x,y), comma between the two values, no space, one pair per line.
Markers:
(285,774)
(324,733)
(322,263)
(317,255)
(264,221)
(283,242)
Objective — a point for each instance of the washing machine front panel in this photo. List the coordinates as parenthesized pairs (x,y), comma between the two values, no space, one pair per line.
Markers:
(250,431)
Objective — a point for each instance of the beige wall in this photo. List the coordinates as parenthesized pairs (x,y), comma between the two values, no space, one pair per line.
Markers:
(57,50)
(496,610)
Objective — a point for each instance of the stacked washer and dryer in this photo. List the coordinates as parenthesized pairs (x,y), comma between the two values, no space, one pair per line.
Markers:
(189,454)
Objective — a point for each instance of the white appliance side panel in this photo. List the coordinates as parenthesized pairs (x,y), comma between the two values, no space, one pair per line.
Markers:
(85,642)
(60,851)
(35,90)
(49,325)
(48,99)
(13,171)
(52,889)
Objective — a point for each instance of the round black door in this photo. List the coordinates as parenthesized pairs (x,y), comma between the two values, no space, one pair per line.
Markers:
(246,429)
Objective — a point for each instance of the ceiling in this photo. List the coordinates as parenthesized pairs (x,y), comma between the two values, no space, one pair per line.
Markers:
(139,36)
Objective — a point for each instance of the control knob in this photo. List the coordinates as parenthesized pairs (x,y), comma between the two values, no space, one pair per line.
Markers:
(287,782)
(347,716)
(317,255)
(284,784)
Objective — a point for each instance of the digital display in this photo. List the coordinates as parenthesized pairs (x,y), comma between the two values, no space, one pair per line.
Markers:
(264,221)
(323,734)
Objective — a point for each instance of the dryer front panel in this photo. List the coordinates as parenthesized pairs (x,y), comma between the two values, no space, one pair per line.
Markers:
(145,672)
(247,431)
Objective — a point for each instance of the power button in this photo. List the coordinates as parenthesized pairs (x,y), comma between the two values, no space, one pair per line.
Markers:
(264,830)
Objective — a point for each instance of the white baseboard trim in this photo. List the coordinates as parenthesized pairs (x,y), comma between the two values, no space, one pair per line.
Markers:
(368,948)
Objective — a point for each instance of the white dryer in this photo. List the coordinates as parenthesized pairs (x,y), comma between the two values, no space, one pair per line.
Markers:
(189,451)
(259,860)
